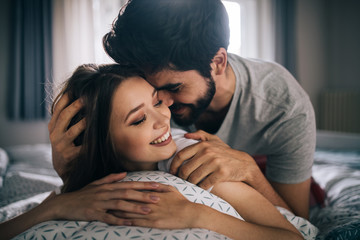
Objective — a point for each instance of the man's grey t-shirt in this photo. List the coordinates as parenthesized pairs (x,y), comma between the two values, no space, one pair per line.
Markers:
(270,114)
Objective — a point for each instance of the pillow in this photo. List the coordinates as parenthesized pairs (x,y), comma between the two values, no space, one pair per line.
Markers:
(4,161)
(192,192)
(99,230)
(29,172)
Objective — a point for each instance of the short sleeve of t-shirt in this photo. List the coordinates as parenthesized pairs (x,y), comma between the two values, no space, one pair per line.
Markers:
(292,140)
(271,115)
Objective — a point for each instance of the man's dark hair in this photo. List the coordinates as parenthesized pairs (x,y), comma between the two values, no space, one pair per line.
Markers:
(180,35)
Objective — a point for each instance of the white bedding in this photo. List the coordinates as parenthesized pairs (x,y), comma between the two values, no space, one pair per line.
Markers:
(29,177)
(338,173)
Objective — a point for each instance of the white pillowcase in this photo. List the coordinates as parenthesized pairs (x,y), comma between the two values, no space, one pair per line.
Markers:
(192,192)
(99,230)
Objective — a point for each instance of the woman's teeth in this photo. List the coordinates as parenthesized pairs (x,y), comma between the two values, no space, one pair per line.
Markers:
(162,139)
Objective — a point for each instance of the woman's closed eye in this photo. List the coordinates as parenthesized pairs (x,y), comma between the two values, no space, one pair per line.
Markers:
(137,122)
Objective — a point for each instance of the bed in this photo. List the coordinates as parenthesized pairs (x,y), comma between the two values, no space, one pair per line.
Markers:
(27,177)
(337,170)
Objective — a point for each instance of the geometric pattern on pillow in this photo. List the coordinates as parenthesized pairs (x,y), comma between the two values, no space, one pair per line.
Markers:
(81,230)
(307,230)
(98,230)
(192,192)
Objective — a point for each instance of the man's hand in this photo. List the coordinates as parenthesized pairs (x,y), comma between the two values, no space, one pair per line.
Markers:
(211,161)
(61,138)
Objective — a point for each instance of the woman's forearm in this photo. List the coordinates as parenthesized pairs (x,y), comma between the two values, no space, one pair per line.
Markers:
(19,224)
(258,181)
(234,228)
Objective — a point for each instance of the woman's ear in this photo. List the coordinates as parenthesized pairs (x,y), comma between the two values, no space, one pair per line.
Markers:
(219,62)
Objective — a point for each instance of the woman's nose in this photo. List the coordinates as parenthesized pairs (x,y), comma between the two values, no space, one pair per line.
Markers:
(162,119)
(165,97)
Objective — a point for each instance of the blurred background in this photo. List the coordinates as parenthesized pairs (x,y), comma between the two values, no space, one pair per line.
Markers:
(42,42)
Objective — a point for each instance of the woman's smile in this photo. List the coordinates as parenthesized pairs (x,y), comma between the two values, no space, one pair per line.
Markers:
(140,124)
(163,140)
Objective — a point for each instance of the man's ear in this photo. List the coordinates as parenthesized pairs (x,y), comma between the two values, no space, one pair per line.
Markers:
(219,62)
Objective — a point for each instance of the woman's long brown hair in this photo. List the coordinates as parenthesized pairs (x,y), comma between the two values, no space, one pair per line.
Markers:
(95,85)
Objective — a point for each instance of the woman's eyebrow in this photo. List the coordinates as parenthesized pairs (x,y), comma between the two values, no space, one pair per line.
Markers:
(138,107)
(134,110)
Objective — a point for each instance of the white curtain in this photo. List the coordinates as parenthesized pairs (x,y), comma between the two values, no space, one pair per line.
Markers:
(258,29)
(268,31)
(252,28)
(79,26)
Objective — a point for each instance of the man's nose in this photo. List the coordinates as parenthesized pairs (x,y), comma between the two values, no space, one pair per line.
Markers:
(166,98)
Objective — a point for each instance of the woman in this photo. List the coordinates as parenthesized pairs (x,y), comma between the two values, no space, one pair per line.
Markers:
(128,129)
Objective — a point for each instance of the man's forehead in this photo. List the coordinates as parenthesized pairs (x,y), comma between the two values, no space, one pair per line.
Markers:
(164,79)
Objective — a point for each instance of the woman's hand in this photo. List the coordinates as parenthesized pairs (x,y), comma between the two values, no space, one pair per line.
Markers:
(172,211)
(90,203)
(61,138)
(94,201)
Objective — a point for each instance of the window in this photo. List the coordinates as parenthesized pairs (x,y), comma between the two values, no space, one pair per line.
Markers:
(251,28)
(234,12)
(104,14)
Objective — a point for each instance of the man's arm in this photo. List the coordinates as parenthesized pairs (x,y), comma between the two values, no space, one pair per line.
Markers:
(211,161)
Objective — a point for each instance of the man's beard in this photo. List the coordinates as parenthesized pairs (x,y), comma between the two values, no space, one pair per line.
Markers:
(195,109)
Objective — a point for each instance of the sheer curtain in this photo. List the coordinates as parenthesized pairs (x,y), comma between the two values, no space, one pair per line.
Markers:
(267,30)
(78,29)
(276,32)
(252,28)
(285,34)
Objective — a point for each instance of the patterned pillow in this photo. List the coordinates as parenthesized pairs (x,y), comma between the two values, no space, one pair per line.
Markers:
(98,230)
(192,192)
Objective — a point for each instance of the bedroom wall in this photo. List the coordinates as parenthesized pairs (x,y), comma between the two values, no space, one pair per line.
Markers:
(14,133)
(311,47)
(344,44)
(328,46)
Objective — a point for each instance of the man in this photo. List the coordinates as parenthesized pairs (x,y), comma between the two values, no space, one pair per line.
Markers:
(252,107)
